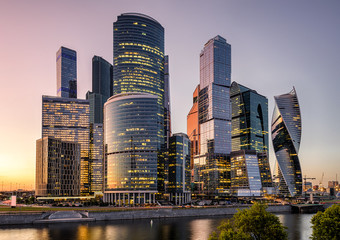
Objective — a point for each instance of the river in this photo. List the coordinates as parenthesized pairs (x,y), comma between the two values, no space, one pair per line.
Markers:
(299,227)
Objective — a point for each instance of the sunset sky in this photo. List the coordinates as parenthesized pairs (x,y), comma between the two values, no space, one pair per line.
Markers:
(275,45)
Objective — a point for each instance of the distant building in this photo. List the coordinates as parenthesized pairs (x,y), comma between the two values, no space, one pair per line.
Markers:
(131,140)
(67,119)
(286,137)
(101,88)
(245,174)
(333,184)
(179,169)
(57,168)
(213,132)
(250,128)
(66,73)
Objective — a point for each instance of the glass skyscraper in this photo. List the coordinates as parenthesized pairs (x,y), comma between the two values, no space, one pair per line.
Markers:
(131,140)
(245,174)
(67,119)
(179,169)
(57,168)
(101,88)
(286,137)
(212,163)
(250,127)
(66,73)
(138,67)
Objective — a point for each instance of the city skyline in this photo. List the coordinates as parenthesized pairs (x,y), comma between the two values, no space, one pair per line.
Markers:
(272,52)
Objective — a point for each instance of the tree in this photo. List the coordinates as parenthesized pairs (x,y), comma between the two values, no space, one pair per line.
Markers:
(326,225)
(253,223)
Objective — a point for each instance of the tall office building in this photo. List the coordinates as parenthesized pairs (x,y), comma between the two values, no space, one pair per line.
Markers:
(96,157)
(67,119)
(138,67)
(245,174)
(179,169)
(101,92)
(66,73)
(250,127)
(214,118)
(286,137)
(131,140)
(57,168)
(101,88)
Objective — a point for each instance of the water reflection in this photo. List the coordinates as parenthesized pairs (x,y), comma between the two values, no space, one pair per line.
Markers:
(161,229)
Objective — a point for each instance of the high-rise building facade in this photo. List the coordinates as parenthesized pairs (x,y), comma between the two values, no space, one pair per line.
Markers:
(101,88)
(245,174)
(57,168)
(96,157)
(212,164)
(250,127)
(131,140)
(67,119)
(138,67)
(286,137)
(66,73)
(179,169)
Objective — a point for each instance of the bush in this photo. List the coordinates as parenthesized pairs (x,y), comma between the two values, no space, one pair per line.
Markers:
(253,223)
(326,225)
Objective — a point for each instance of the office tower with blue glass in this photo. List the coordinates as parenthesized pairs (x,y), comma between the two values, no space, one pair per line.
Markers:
(245,174)
(179,169)
(131,140)
(214,119)
(286,137)
(66,73)
(138,67)
(57,168)
(250,128)
(67,119)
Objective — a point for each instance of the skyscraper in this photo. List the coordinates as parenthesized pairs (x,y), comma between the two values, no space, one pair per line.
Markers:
(179,169)
(57,168)
(212,163)
(250,127)
(286,137)
(138,67)
(67,119)
(66,73)
(131,126)
(101,88)
(245,174)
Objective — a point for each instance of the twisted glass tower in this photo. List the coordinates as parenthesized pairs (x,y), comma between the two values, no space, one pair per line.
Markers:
(286,137)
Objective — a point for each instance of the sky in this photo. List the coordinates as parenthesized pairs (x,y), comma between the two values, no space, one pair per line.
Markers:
(275,45)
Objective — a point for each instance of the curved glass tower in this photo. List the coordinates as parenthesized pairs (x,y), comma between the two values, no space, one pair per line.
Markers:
(138,66)
(138,55)
(286,137)
(131,125)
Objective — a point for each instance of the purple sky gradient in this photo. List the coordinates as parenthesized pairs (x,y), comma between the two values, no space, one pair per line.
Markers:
(275,45)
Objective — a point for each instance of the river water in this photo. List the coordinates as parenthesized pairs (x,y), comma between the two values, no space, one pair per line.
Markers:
(299,227)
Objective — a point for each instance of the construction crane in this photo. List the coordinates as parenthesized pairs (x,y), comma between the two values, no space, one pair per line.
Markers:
(320,183)
(305,179)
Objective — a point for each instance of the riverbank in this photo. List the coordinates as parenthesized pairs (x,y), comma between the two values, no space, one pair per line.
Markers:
(8,218)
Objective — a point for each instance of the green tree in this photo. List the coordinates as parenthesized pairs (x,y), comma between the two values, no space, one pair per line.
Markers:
(326,225)
(253,223)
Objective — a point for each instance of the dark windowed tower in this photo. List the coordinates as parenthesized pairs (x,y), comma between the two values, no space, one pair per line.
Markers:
(66,73)
(101,88)
(286,137)
(250,127)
